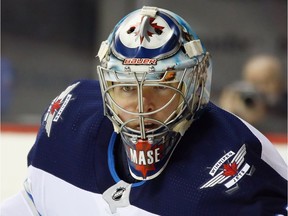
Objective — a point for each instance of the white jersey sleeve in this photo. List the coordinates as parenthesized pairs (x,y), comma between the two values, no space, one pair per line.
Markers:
(18,205)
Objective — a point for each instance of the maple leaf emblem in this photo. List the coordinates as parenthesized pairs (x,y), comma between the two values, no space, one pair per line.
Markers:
(230,169)
(233,171)
(60,101)
(55,106)
(145,29)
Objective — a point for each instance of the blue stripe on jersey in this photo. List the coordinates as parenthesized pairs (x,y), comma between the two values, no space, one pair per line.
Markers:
(111,161)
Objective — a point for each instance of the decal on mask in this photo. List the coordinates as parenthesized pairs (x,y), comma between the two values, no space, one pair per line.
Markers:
(144,156)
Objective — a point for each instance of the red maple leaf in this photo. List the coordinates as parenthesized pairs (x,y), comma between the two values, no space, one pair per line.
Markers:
(55,106)
(143,29)
(144,145)
(155,25)
(230,169)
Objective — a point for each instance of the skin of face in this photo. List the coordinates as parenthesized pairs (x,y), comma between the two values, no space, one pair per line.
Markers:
(154,98)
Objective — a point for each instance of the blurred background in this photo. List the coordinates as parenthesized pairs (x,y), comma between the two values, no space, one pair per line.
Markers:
(46,45)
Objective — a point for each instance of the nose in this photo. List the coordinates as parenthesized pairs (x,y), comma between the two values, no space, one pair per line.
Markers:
(148,100)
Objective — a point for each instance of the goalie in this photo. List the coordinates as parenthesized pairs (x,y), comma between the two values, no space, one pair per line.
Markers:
(161,148)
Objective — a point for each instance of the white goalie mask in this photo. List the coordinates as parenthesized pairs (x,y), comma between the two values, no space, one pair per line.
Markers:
(155,77)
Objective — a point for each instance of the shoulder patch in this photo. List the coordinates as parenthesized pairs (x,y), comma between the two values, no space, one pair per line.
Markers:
(229,169)
(57,107)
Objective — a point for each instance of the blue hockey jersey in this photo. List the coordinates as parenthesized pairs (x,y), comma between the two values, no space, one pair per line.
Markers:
(222,166)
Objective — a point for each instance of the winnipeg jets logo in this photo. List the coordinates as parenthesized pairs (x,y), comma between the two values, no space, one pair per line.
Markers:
(57,107)
(229,172)
(145,31)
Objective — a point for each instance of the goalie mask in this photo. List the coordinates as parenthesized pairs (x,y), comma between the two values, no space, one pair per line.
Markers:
(155,77)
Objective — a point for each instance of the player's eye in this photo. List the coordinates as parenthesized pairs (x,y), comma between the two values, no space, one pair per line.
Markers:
(128,88)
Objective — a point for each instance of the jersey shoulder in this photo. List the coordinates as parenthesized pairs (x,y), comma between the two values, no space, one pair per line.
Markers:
(223,156)
(71,134)
(76,103)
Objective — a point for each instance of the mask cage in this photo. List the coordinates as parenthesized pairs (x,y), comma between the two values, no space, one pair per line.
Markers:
(190,87)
